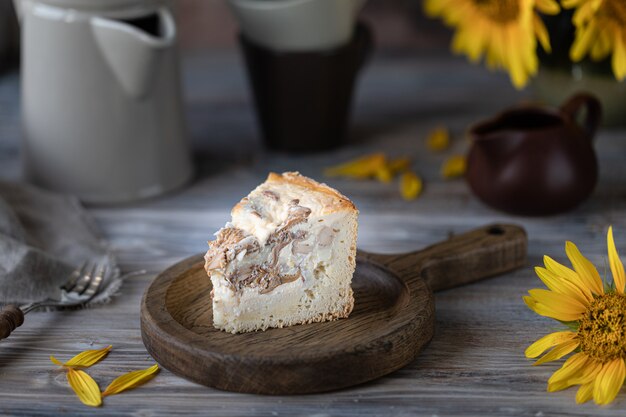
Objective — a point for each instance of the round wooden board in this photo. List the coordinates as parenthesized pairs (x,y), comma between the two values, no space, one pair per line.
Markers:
(392,320)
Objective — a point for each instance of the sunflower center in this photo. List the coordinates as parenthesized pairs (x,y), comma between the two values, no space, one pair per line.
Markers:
(602,330)
(615,10)
(501,11)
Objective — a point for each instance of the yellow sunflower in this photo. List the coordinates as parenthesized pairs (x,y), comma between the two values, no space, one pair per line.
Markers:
(505,31)
(596,317)
(600,30)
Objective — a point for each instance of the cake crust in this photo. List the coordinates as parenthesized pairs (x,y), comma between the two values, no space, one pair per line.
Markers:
(334,203)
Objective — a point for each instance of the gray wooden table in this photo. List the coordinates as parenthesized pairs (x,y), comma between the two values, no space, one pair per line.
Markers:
(474,365)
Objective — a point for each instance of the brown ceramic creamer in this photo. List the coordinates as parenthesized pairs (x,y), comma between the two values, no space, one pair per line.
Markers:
(535,161)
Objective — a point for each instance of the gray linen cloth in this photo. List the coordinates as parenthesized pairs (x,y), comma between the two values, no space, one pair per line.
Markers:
(44,236)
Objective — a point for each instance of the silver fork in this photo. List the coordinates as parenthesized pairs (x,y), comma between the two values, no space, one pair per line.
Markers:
(82,285)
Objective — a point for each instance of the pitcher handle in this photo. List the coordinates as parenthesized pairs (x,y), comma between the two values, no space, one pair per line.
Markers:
(594,111)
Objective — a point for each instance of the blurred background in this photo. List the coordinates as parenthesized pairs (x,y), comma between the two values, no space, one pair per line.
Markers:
(411,83)
(219,108)
(400,28)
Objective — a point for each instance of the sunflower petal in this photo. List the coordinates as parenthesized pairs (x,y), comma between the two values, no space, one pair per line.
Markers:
(563,271)
(589,373)
(582,43)
(546,311)
(558,352)
(548,6)
(410,186)
(548,341)
(530,302)
(55,361)
(454,167)
(383,174)
(617,268)
(399,165)
(89,357)
(584,13)
(131,380)
(585,269)
(601,48)
(584,393)
(542,33)
(85,387)
(572,367)
(556,301)
(619,59)
(360,168)
(609,381)
(570,4)
(438,139)
(562,286)
(517,71)
(472,45)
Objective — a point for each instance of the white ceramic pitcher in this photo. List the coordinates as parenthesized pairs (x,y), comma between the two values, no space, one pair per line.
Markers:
(101,99)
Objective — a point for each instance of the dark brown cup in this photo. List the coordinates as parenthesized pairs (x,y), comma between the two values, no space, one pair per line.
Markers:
(533,160)
(303,99)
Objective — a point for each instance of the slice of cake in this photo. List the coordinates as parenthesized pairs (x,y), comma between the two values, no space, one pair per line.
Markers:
(287,257)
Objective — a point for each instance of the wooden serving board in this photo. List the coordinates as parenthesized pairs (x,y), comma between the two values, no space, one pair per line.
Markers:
(392,321)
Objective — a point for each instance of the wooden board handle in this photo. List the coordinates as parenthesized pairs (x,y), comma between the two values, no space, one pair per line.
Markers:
(11,317)
(464,258)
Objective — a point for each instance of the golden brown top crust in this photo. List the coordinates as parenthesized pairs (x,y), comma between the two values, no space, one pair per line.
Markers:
(294,178)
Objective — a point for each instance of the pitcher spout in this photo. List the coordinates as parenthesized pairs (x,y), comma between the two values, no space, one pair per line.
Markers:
(132,48)
(487,137)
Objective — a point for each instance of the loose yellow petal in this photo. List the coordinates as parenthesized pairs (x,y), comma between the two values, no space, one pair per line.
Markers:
(584,393)
(584,268)
(438,139)
(87,358)
(130,380)
(558,352)
(609,381)
(548,341)
(386,172)
(454,167)
(410,186)
(383,174)
(617,268)
(85,387)
(399,165)
(361,168)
